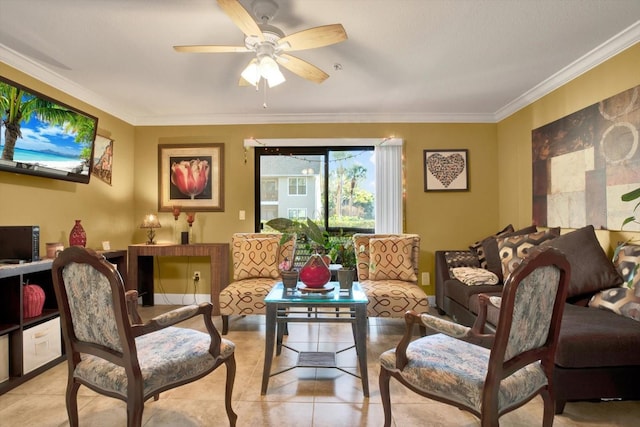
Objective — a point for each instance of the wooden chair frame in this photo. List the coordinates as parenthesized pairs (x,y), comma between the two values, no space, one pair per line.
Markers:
(498,368)
(124,305)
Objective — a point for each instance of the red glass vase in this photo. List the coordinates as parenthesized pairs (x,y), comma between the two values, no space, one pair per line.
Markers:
(315,273)
(77,237)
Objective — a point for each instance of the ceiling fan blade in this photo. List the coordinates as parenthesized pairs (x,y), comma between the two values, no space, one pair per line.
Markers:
(210,49)
(314,37)
(302,68)
(241,18)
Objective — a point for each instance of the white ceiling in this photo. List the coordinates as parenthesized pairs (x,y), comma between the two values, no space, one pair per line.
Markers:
(404,61)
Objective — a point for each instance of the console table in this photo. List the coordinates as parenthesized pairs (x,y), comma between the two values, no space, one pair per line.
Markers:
(140,276)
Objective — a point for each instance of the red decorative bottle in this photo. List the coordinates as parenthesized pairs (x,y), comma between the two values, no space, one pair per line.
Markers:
(315,273)
(77,237)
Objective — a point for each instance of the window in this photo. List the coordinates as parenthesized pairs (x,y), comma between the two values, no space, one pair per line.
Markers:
(297,213)
(388,179)
(297,186)
(268,190)
(334,186)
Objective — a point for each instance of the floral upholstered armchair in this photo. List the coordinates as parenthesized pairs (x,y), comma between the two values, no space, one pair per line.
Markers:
(489,374)
(256,260)
(387,269)
(131,362)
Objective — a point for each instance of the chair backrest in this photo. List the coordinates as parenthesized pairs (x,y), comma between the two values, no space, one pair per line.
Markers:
(361,243)
(531,310)
(260,254)
(91,298)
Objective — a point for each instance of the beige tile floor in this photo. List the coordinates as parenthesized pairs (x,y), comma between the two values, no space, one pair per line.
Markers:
(300,397)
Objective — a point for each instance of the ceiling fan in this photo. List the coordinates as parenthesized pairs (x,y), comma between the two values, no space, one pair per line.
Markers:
(271,45)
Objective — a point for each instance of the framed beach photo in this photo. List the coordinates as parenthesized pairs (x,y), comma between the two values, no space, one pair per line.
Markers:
(446,170)
(103,159)
(191,176)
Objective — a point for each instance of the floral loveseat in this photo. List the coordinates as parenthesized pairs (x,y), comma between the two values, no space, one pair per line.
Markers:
(597,355)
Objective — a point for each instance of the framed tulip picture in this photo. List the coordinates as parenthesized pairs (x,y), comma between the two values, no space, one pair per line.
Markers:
(191,176)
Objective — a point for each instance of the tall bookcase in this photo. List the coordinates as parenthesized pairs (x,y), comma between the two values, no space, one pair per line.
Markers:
(17,333)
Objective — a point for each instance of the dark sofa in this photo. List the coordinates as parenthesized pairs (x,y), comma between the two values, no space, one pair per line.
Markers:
(598,354)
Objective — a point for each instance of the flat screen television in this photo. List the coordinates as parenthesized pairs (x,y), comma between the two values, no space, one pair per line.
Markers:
(44,137)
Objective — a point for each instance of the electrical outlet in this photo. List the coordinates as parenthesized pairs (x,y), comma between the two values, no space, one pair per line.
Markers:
(426,279)
(196,276)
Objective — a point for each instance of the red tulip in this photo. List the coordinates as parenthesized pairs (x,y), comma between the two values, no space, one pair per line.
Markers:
(190,177)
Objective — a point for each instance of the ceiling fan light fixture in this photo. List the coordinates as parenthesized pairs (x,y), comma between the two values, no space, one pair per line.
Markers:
(251,74)
(276,78)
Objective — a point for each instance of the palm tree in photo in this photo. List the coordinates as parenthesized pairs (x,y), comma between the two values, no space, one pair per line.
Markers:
(19,106)
(355,174)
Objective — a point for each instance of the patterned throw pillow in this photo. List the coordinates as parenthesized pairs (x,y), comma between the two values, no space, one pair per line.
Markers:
(480,250)
(390,259)
(460,259)
(627,262)
(256,257)
(473,276)
(618,300)
(491,253)
(513,250)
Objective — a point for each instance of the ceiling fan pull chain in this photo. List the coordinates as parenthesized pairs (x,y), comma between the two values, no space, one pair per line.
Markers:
(264,103)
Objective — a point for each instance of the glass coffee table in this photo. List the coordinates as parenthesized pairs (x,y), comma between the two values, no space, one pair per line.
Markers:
(329,305)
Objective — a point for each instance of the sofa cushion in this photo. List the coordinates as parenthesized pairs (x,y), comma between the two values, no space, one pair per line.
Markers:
(474,276)
(618,300)
(626,259)
(392,298)
(492,253)
(461,293)
(390,259)
(591,270)
(493,312)
(478,248)
(514,249)
(256,257)
(597,338)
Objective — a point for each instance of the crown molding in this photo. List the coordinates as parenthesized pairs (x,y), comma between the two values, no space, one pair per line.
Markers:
(596,56)
(591,59)
(38,71)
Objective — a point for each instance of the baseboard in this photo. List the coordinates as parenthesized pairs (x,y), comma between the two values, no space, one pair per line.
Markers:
(432,300)
(180,299)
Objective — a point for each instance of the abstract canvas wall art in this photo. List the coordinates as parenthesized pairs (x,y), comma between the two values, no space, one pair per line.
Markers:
(584,162)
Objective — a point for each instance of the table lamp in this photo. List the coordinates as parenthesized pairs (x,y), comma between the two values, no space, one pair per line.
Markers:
(150,221)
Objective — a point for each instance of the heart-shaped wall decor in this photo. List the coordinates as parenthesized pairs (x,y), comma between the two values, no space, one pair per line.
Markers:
(445,168)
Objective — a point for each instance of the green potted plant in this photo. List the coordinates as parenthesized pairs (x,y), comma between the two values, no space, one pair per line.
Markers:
(629,197)
(347,259)
(310,237)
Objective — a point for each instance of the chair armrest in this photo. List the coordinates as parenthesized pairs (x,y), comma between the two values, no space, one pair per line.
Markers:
(485,340)
(181,314)
(131,297)
(443,326)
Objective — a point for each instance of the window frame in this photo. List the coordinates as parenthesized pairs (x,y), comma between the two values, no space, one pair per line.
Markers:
(298,180)
(314,150)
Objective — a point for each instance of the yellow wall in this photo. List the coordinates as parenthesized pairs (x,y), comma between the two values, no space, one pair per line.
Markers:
(514,133)
(499,167)
(106,211)
(443,220)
